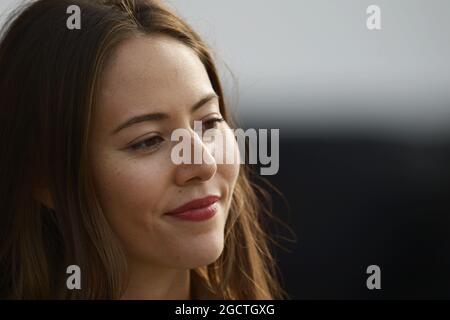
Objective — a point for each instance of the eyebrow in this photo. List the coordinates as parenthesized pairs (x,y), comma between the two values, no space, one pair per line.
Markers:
(157,116)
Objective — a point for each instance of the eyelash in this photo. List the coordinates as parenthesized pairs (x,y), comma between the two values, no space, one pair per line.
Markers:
(214,121)
(136,146)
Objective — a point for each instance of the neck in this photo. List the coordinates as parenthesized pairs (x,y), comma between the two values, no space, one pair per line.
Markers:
(153,283)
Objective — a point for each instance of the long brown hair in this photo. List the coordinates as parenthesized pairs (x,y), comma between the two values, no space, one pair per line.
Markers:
(49,76)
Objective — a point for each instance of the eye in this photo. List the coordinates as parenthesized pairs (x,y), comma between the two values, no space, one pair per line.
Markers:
(212,124)
(147,144)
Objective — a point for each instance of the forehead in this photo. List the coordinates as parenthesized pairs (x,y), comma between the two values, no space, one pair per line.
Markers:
(149,74)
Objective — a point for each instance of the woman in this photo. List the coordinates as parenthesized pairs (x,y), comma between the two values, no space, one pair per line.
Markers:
(86,176)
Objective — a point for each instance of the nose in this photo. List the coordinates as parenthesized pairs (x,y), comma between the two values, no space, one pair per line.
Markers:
(196,170)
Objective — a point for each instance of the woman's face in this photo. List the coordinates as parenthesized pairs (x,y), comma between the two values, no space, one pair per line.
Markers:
(135,178)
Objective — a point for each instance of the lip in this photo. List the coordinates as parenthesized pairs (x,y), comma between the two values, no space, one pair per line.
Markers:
(196,210)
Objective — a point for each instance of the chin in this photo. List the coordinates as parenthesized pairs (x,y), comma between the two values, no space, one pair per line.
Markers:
(202,254)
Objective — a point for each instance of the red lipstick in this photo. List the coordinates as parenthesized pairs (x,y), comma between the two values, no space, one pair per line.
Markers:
(196,210)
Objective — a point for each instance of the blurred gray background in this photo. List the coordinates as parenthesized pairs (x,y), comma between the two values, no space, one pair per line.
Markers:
(313,64)
(364,134)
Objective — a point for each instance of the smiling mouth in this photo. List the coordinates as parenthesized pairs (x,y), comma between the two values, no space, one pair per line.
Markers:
(196,210)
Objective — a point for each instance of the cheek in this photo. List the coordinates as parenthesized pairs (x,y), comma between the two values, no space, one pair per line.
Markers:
(229,170)
(127,190)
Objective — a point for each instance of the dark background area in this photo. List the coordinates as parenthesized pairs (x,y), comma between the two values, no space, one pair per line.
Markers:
(357,200)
